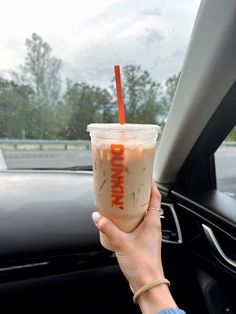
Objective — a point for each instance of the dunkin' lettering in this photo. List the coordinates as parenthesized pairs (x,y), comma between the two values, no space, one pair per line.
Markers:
(117,175)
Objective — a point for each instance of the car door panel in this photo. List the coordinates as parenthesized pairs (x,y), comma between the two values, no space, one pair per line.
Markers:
(208,234)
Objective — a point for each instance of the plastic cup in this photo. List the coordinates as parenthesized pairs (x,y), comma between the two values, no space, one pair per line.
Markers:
(123,157)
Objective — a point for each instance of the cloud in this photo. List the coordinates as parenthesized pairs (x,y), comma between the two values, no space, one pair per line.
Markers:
(90,37)
(153,35)
(178,54)
(6,74)
(95,64)
(153,12)
(15,44)
(111,12)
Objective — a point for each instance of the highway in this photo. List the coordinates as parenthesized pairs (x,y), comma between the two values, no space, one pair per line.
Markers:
(47,159)
(225,160)
(225,163)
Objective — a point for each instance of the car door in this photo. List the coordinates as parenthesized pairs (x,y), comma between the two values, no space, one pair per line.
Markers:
(202,115)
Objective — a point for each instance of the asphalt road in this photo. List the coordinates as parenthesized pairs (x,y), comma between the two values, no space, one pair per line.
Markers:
(47,159)
(225,163)
(225,159)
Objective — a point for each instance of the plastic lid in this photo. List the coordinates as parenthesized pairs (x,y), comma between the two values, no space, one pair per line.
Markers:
(120,127)
(126,131)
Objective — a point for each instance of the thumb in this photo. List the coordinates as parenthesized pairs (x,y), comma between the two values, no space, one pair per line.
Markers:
(106,226)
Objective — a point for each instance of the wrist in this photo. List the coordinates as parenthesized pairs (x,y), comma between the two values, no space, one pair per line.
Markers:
(145,278)
(156,299)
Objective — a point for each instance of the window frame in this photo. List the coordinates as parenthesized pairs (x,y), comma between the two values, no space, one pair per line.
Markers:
(199,171)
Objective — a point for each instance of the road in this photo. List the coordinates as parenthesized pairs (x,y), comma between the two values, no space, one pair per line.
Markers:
(47,159)
(225,163)
(225,159)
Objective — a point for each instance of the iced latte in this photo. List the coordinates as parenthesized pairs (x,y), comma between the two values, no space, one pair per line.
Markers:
(123,158)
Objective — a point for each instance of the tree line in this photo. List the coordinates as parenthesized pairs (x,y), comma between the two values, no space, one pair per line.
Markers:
(33,105)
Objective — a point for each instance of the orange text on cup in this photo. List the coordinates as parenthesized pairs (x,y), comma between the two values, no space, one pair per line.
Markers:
(117,175)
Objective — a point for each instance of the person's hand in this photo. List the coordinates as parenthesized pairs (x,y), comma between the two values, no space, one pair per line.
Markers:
(138,252)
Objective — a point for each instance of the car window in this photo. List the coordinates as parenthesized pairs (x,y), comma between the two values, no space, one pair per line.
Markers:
(225,160)
(56,72)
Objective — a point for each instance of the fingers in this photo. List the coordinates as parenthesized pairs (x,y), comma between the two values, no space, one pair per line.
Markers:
(152,218)
(155,198)
(114,235)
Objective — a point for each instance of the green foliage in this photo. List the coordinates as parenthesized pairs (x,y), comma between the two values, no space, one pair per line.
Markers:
(140,94)
(41,71)
(85,104)
(167,96)
(171,84)
(232,135)
(18,115)
(32,106)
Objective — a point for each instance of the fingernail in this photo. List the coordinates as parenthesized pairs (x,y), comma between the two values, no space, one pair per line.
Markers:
(96,216)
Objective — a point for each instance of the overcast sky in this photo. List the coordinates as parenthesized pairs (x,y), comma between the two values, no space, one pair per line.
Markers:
(90,36)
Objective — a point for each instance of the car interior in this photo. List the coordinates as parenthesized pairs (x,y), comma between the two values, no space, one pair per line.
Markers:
(50,253)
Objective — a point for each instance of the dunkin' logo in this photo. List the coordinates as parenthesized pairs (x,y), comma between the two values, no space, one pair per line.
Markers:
(117,175)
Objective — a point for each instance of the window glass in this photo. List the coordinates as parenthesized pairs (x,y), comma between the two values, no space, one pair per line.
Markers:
(225,158)
(56,72)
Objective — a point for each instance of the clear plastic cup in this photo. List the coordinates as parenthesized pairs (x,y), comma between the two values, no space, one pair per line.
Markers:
(123,157)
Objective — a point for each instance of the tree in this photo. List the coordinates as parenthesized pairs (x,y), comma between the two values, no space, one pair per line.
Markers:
(232,135)
(85,104)
(167,96)
(18,114)
(140,95)
(171,85)
(41,71)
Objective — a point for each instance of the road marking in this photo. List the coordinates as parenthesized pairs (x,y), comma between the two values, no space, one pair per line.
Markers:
(3,165)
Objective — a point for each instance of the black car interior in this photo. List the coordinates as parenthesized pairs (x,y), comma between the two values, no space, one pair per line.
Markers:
(50,254)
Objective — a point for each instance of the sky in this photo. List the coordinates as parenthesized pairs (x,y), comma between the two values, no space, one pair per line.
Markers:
(91,36)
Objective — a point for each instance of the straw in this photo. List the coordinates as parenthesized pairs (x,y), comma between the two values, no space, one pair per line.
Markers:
(121,112)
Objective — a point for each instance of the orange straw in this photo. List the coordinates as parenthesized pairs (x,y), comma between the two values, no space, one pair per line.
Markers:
(121,111)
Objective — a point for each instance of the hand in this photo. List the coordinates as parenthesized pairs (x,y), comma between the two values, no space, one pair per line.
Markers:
(139,253)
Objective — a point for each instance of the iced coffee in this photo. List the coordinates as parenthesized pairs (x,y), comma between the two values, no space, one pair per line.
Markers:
(123,158)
